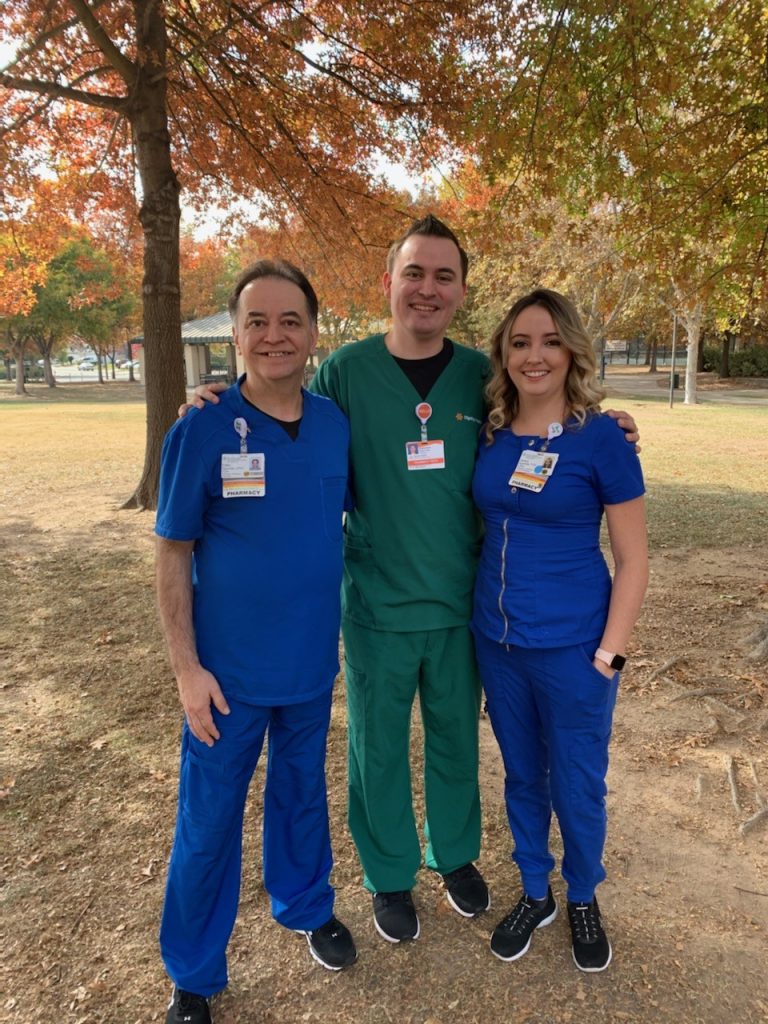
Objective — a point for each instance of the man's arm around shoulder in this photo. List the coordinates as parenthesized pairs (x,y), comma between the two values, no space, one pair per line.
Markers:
(197,687)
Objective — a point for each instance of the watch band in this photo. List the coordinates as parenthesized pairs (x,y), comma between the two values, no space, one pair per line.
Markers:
(615,661)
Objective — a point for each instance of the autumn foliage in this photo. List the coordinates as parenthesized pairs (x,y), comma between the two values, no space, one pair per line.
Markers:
(278,114)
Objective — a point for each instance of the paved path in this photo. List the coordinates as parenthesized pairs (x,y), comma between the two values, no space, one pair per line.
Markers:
(656,386)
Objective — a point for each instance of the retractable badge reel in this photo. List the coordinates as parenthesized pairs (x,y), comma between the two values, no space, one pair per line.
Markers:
(241,429)
(553,430)
(424,454)
(423,412)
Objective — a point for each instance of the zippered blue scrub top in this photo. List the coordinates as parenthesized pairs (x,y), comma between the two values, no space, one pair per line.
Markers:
(266,571)
(542,580)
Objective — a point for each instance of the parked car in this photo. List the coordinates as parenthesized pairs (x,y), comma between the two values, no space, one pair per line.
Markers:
(87,364)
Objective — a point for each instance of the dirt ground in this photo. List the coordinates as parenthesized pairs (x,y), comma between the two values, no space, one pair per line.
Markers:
(88,786)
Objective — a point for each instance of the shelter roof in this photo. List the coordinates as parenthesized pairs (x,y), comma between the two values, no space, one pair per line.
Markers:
(215,329)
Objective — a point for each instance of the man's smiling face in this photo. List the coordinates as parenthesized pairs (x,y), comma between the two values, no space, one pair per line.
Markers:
(273,331)
(425,287)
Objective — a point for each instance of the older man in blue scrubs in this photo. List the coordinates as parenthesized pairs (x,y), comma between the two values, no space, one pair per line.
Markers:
(249,565)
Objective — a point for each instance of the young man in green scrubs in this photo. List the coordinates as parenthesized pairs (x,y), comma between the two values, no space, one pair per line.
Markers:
(415,404)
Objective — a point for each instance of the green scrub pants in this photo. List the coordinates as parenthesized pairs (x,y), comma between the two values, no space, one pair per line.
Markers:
(384,671)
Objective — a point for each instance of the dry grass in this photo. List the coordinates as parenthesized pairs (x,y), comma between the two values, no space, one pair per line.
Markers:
(706,472)
(89,765)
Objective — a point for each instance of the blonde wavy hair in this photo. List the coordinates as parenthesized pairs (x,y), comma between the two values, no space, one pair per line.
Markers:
(583,394)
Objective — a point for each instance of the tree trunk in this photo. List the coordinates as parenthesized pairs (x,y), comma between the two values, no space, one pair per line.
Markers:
(129,357)
(691,317)
(45,347)
(18,348)
(159,215)
(50,379)
(653,361)
(725,355)
(599,343)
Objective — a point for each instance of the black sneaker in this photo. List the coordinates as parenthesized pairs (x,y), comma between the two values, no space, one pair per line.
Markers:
(591,948)
(511,937)
(466,891)
(395,916)
(332,945)
(187,1008)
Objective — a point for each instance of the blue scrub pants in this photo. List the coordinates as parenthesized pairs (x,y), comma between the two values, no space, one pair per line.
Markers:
(204,872)
(551,711)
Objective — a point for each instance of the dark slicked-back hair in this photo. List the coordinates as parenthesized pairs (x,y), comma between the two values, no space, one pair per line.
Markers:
(434,228)
(274,268)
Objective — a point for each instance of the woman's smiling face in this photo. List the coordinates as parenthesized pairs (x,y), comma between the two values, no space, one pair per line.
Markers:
(537,359)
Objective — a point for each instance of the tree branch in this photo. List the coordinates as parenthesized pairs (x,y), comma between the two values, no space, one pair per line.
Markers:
(122,65)
(62,92)
(537,106)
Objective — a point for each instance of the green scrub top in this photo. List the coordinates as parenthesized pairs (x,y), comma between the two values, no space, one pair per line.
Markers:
(413,539)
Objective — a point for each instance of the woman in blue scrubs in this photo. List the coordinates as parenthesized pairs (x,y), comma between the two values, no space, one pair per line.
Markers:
(550,626)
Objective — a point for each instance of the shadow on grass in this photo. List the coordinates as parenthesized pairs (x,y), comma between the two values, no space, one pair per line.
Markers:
(691,516)
(74,391)
(24,538)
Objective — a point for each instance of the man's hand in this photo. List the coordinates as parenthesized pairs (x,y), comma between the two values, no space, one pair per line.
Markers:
(203,393)
(198,689)
(627,424)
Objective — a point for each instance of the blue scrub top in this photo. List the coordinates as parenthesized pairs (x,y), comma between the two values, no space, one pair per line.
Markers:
(266,571)
(542,578)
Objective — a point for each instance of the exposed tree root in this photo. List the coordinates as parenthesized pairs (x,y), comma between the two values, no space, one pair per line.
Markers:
(705,692)
(754,821)
(667,665)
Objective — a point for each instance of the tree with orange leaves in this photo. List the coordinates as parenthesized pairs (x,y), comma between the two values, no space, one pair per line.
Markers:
(208,270)
(24,254)
(286,104)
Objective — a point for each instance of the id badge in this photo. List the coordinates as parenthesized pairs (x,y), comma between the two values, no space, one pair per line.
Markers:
(243,475)
(425,454)
(533,470)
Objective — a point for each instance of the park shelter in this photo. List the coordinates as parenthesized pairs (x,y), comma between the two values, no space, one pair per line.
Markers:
(197,336)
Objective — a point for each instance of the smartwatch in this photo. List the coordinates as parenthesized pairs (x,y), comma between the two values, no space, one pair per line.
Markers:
(615,661)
